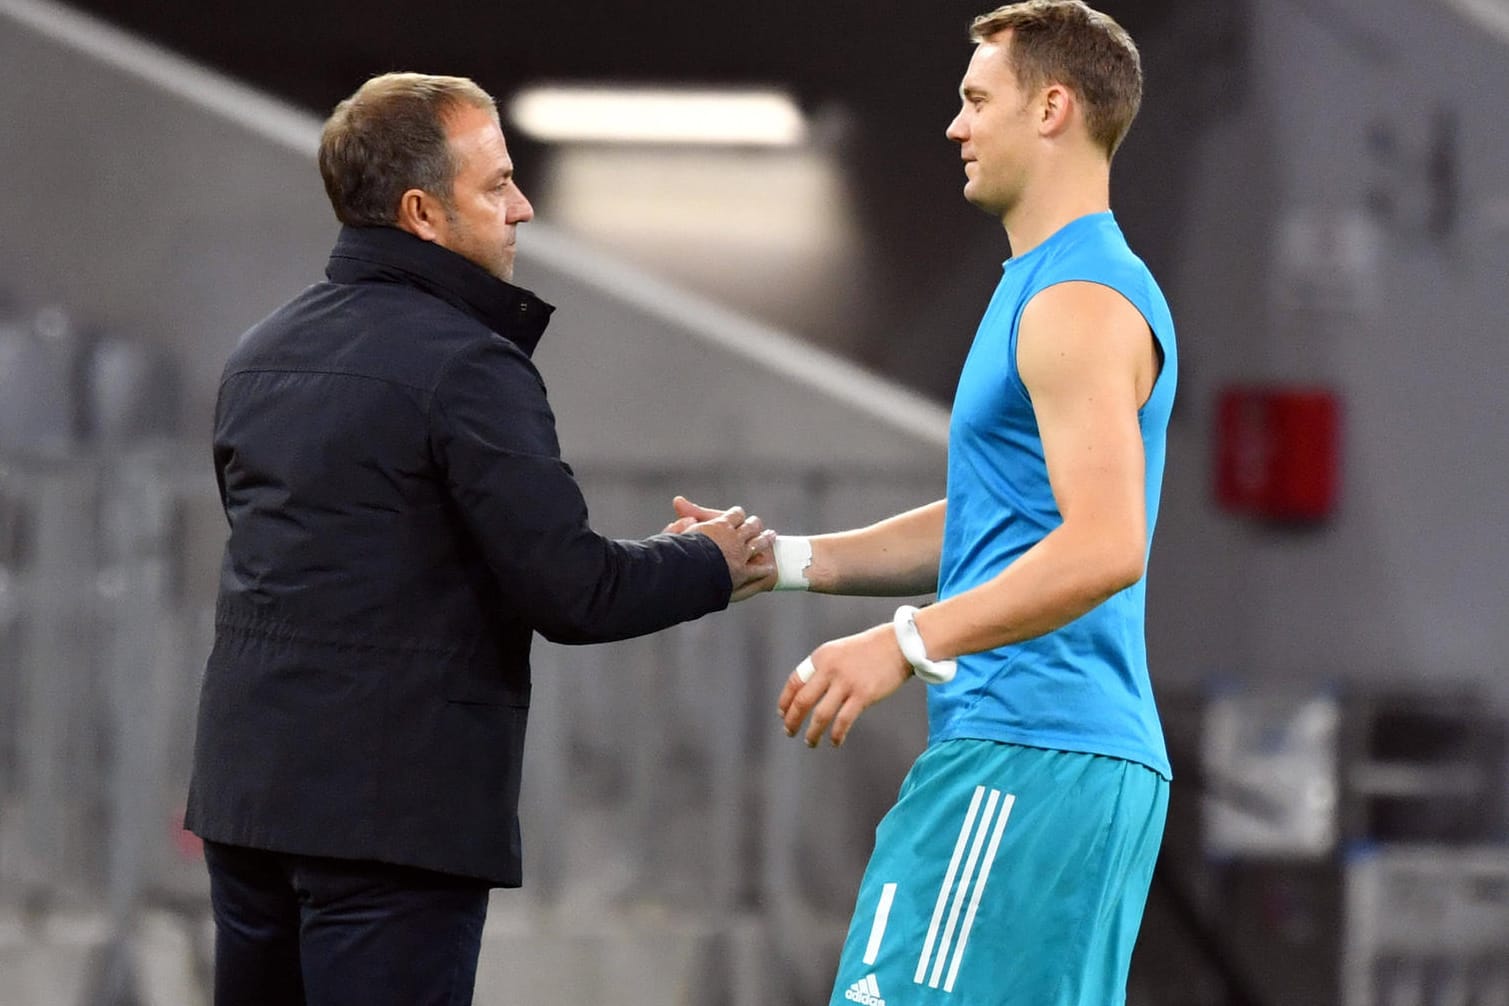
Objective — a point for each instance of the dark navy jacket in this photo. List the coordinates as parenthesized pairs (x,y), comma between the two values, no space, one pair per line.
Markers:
(401,522)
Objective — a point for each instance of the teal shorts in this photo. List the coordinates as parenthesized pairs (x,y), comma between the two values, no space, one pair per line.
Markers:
(1005,876)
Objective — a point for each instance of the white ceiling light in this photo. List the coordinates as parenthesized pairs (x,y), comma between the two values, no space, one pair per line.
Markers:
(599,114)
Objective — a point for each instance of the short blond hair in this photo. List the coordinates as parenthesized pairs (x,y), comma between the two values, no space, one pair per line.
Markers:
(389,137)
(1067,42)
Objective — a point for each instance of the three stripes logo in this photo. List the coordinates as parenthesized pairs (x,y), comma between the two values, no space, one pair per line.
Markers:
(959,897)
(866,992)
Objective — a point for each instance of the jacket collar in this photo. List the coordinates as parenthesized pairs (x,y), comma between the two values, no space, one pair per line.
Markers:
(390,255)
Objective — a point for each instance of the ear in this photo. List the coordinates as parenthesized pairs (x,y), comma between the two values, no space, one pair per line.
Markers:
(1056,105)
(421,214)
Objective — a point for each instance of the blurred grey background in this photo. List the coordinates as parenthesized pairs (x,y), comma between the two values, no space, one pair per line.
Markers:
(1323,190)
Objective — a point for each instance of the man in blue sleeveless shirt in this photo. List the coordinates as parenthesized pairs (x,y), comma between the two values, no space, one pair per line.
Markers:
(1015,865)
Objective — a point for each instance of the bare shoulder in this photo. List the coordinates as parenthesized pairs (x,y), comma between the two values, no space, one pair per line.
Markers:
(1074,329)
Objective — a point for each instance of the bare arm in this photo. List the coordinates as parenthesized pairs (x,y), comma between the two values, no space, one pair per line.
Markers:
(895,557)
(1088,362)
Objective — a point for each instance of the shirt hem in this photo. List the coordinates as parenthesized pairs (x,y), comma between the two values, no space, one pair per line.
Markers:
(1051,742)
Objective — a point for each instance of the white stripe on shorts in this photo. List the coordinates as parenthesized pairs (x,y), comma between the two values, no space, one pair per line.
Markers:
(958,905)
(974,901)
(877,928)
(948,883)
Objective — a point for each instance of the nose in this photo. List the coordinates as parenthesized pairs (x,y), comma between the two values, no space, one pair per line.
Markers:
(956,130)
(520,211)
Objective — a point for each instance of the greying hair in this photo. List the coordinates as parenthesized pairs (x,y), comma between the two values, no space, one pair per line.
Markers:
(1067,42)
(389,137)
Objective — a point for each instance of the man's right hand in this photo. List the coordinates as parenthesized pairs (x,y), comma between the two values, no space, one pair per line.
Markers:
(744,541)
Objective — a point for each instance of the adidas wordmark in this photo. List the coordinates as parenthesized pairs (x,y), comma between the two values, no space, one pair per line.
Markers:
(866,992)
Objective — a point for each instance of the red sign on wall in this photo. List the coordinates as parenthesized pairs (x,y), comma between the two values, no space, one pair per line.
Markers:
(1278,452)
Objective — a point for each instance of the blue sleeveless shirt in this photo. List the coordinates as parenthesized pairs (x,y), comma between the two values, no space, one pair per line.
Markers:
(1083,687)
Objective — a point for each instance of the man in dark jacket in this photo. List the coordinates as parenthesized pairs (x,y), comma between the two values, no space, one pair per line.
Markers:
(401,523)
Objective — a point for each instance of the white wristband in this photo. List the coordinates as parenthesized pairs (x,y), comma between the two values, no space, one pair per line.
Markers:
(792,557)
(934,672)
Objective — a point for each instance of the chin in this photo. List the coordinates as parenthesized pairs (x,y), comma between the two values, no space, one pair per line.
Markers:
(982,201)
(498,269)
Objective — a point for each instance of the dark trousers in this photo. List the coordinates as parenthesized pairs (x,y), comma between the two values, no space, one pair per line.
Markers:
(307,931)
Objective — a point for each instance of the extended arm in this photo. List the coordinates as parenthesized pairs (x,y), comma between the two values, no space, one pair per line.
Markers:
(494,434)
(895,557)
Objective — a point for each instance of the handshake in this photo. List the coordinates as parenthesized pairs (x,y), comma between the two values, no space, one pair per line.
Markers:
(842,677)
(747,545)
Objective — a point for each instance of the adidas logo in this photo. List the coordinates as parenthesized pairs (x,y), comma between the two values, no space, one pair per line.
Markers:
(866,992)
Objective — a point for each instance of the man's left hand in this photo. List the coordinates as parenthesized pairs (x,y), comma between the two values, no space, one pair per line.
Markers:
(849,675)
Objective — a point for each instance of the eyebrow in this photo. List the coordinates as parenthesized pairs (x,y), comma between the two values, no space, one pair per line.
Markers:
(972,91)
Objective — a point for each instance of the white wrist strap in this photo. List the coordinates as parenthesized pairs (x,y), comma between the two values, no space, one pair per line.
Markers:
(934,672)
(792,557)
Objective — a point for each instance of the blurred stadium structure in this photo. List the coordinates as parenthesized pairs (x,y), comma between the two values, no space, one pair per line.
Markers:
(678,848)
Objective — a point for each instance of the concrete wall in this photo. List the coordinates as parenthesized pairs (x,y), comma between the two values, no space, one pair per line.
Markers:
(1409,582)
(152,214)
(169,207)
(165,220)
(149,212)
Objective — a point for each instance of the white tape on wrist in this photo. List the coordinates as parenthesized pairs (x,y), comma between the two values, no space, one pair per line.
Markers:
(934,672)
(793,554)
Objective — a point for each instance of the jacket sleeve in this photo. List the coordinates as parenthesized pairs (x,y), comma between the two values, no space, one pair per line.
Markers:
(494,438)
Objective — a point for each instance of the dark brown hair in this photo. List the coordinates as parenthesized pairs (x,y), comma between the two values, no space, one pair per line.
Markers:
(1066,42)
(389,137)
